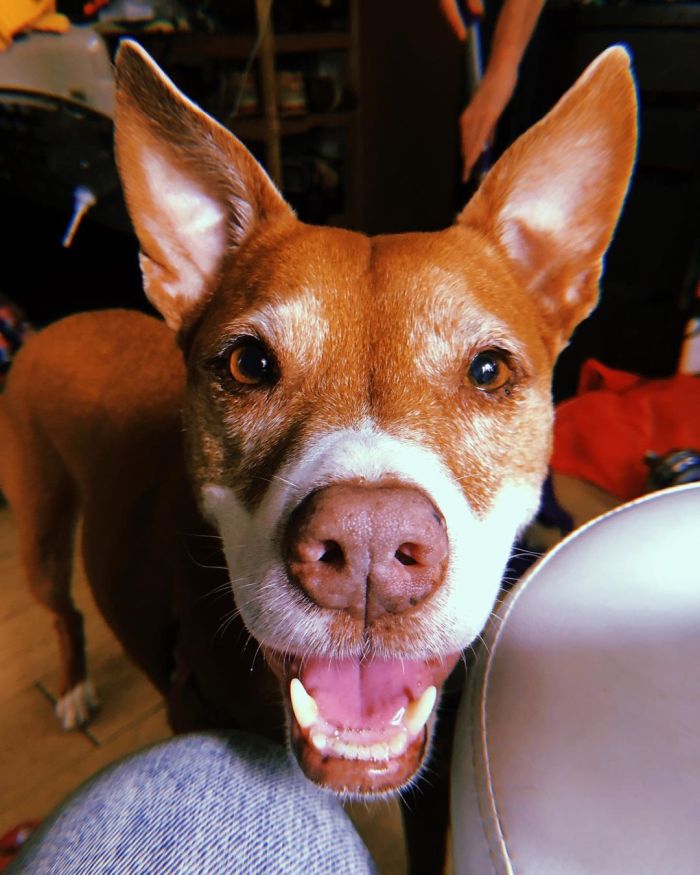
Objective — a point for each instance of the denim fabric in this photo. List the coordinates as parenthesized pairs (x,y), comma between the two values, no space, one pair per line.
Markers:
(202,805)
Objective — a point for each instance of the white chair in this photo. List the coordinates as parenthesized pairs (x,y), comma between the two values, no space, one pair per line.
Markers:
(578,738)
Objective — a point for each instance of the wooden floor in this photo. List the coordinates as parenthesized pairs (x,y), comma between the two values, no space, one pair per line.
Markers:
(40,763)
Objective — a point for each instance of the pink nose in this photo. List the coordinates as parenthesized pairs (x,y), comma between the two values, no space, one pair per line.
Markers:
(367,550)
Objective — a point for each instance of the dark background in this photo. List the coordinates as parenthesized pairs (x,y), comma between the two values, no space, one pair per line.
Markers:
(410,94)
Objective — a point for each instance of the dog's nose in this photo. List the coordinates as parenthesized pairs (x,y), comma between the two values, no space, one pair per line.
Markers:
(368,550)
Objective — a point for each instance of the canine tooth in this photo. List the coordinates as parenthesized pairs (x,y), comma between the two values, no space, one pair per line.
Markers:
(417,713)
(319,741)
(304,707)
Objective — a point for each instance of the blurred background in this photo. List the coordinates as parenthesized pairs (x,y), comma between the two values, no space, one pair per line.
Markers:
(353,107)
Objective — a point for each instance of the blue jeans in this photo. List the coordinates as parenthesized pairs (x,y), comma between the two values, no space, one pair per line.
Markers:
(206,804)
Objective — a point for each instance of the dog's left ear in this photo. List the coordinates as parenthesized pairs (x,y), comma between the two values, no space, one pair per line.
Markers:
(552,201)
(194,192)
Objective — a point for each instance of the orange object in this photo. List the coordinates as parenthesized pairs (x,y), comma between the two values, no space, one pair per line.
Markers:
(94,7)
(19,15)
(603,434)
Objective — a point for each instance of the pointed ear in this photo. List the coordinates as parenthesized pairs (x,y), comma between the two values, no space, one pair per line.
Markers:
(552,201)
(193,191)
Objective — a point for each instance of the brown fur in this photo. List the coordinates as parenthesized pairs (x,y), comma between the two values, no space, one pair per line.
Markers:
(85,424)
(102,416)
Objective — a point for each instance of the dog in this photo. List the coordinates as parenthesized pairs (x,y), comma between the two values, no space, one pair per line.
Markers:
(360,426)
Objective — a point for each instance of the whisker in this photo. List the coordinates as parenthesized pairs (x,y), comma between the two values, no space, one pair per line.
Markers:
(203,535)
(217,592)
(522,553)
(227,587)
(482,642)
(202,564)
(286,482)
(277,477)
(226,623)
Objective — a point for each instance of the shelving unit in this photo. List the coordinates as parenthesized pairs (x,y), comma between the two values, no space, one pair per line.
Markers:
(285,144)
(397,128)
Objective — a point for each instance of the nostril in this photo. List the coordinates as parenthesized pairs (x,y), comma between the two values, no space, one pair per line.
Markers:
(405,554)
(332,554)
(312,551)
(366,550)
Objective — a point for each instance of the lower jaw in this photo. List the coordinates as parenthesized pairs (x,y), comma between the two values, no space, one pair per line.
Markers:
(348,776)
(358,777)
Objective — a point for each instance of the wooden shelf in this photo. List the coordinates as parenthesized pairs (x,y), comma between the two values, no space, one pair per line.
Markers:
(303,124)
(256,128)
(273,127)
(270,128)
(292,43)
(191,48)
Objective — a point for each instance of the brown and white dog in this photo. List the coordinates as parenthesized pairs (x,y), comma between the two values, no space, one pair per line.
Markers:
(365,423)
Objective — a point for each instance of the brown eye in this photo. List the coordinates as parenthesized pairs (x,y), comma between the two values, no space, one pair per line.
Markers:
(250,363)
(489,371)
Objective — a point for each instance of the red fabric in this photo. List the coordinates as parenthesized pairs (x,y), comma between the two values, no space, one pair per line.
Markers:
(603,433)
(12,841)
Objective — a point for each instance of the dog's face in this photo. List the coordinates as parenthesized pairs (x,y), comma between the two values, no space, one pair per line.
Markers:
(368,419)
(381,394)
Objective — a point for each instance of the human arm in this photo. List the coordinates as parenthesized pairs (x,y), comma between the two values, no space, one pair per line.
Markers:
(515,25)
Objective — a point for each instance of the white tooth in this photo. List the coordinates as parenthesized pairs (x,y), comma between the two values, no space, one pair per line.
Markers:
(338,746)
(417,713)
(350,751)
(398,743)
(319,740)
(366,752)
(380,751)
(304,707)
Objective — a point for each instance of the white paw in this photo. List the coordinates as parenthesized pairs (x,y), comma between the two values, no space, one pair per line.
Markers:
(77,706)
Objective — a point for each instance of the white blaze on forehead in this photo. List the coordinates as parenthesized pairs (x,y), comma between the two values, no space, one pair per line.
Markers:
(296,324)
(432,338)
(454,328)
(190,227)
(479,547)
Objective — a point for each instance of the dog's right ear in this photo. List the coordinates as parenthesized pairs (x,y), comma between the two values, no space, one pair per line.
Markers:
(193,191)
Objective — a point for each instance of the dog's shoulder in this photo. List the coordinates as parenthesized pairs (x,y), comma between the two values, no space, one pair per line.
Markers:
(116,361)
(104,384)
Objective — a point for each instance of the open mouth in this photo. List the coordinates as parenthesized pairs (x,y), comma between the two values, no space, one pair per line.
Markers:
(360,726)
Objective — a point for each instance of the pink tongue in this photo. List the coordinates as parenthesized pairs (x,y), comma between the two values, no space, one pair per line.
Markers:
(354,694)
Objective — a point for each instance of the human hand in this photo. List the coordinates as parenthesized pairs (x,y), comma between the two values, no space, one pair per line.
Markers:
(451,11)
(478,121)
